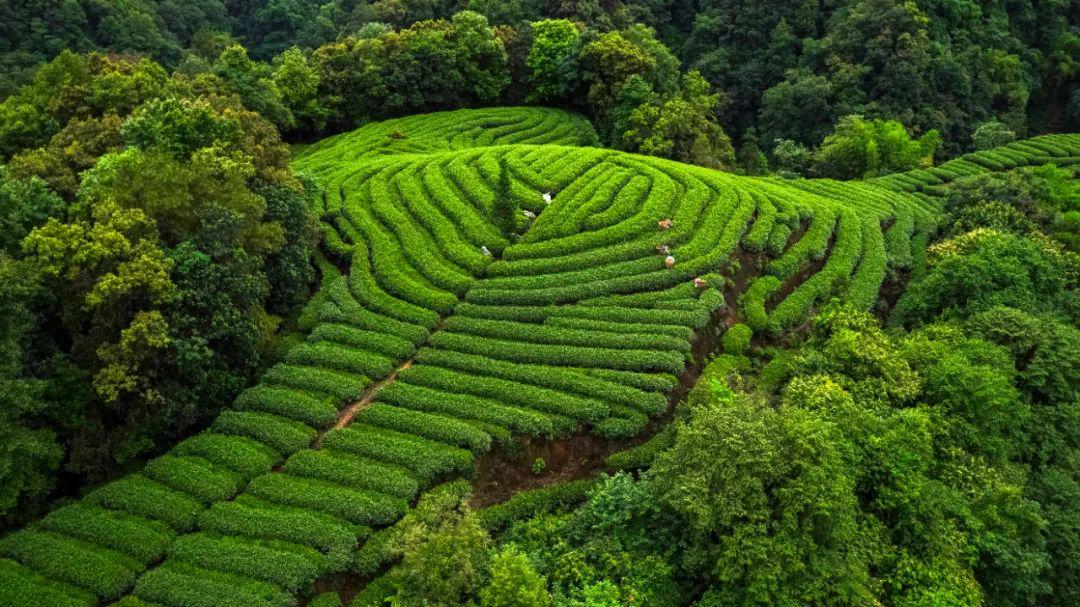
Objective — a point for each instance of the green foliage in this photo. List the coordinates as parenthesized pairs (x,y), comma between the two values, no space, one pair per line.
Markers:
(526,504)
(858,148)
(514,582)
(737,339)
(553,59)
(27,204)
(790,157)
(991,134)
(682,128)
(326,599)
(750,517)
(977,271)
(249,517)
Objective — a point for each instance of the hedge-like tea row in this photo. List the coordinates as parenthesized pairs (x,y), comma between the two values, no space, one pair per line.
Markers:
(254,518)
(472,408)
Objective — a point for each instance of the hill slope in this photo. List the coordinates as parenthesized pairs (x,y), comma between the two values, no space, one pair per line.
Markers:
(449,322)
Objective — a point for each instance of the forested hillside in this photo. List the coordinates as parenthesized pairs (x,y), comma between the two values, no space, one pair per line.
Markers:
(539,304)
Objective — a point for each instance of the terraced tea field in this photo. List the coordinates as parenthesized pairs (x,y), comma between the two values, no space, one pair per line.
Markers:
(460,309)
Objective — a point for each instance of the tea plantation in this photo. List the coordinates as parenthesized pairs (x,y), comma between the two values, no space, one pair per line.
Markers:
(486,276)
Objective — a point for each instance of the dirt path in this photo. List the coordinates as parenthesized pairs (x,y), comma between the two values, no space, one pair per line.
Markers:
(349,413)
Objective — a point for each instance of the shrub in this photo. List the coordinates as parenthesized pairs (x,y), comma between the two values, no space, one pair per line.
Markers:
(175,583)
(353,471)
(282,435)
(104,572)
(526,504)
(312,409)
(435,427)
(360,507)
(737,339)
(326,599)
(427,459)
(142,539)
(245,456)
(521,395)
(289,566)
(138,495)
(340,385)
(251,517)
(20,585)
(335,356)
(526,421)
(583,356)
(194,476)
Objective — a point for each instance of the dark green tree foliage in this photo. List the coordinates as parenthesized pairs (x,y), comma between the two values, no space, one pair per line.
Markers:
(977,271)
(751,160)
(429,66)
(24,205)
(682,126)
(553,59)
(180,240)
(29,453)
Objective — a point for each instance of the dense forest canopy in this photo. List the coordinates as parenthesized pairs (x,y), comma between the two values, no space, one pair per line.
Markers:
(944,66)
(275,274)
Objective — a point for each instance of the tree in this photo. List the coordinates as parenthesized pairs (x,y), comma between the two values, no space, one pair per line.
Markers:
(790,158)
(980,270)
(751,160)
(73,150)
(298,81)
(29,454)
(778,490)
(514,583)
(859,148)
(254,83)
(443,565)
(481,56)
(553,59)
(682,127)
(24,205)
(785,106)
(991,135)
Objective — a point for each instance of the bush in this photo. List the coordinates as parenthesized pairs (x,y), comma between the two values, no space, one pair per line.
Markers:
(194,476)
(104,572)
(282,435)
(342,386)
(312,409)
(245,456)
(360,507)
(573,356)
(335,356)
(251,517)
(427,459)
(289,566)
(440,428)
(508,392)
(20,585)
(420,398)
(527,504)
(138,495)
(142,539)
(737,339)
(326,599)
(353,471)
(176,583)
